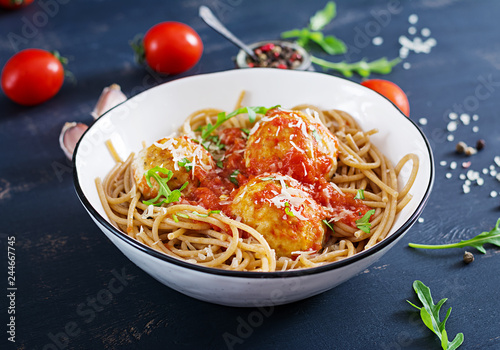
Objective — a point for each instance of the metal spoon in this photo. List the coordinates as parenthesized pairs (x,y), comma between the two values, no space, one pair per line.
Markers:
(207,15)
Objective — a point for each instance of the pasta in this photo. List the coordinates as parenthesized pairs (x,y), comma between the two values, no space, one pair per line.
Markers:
(266,190)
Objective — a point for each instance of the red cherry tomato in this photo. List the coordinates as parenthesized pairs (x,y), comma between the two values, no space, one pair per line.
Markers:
(32,76)
(391,91)
(172,47)
(14,4)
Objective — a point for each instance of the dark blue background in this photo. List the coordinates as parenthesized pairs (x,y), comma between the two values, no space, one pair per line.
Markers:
(65,264)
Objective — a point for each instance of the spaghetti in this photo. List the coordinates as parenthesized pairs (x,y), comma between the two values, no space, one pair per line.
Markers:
(264,191)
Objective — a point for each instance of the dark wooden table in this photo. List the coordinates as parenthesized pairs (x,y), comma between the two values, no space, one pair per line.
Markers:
(75,290)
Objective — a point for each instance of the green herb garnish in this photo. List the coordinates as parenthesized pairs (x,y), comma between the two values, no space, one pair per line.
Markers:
(207,214)
(364,223)
(360,194)
(222,117)
(363,68)
(175,218)
(329,43)
(287,209)
(164,190)
(430,316)
(233,178)
(186,163)
(182,215)
(219,164)
(316,135)
(328,224)
(491,237)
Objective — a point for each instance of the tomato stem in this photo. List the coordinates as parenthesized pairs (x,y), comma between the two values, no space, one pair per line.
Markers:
(137,44)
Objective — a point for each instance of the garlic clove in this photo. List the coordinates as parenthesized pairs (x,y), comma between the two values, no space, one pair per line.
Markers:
(70,134)
(110,97)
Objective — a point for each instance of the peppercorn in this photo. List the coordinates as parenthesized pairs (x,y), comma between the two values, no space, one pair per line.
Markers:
(480,144)
(468,257)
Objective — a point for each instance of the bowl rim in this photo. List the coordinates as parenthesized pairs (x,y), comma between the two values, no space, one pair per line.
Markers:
(250,274)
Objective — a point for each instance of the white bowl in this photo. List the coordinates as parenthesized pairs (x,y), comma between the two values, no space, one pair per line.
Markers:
(157,112)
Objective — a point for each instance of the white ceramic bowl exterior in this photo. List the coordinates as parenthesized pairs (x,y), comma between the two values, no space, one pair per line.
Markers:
(159,111)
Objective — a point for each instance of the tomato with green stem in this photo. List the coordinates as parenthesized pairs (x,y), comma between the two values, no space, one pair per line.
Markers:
(390,91)
(169,47)
(33,76)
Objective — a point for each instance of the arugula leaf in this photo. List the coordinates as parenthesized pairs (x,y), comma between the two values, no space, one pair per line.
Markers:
(364,223)
(164,190)
(329,43)
(360,194)
(186,163)
(323,17)
(491,237)
(363,68)
(222,117)
(430,316)
(328,224)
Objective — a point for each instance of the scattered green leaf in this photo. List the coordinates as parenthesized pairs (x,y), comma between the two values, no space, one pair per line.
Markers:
(491,237)
(169,195)
(360,194)
(328,225)
(186,163)
(233,178)
(363,68)
(287,209)
(364,223)
(323,17)
(429,313)
(222,117)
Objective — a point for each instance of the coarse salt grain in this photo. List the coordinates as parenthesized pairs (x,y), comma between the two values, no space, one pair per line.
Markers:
(448,175)
(413,19)
(493,194)
(452,126)
(377,41)
(462,177)
(412,30)
(475,128)
(475,117)
(453,116)
(497,177)
(443,163)
(453,165)
(450,137)
(465,118)
(480,181)
(425,32)
(423,121)
(465,188)
(493,173)
(406,65)
(421,220)
(497,160)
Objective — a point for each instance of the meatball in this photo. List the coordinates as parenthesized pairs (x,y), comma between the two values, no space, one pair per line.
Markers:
(276,206)
(292,143)
(187,161)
